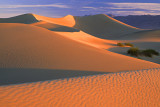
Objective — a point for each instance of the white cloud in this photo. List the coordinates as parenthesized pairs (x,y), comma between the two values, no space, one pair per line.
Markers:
(21,6)
(143,6)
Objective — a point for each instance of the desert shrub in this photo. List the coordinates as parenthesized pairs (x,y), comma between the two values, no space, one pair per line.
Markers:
(133,51)
(120,44)
(129,44)
(149,52)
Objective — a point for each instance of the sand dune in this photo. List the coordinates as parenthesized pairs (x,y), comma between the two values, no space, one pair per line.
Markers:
(126,89)
(65,62)
(33,18)
(35,47)
(103,26)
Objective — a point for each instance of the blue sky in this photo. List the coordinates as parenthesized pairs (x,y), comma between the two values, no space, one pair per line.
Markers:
(59,8)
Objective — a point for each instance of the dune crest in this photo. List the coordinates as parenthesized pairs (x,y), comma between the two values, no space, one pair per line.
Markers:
(65,21)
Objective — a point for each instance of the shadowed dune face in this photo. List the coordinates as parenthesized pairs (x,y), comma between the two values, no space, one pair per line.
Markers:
(25,18)
(145,35)
(19,75)
(103,26)
(35,47)
(137,88)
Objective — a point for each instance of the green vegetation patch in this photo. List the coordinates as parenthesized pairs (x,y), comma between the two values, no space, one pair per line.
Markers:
(134,51)
(125,44)
(120,44)
(129,44)
(147,53)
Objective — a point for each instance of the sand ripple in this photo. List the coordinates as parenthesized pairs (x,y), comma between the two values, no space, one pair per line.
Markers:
(127,89)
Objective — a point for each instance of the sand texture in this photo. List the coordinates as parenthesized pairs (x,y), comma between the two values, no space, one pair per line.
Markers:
(126,89)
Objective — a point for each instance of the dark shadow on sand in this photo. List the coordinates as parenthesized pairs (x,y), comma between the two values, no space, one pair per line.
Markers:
(65,29)
(20,75)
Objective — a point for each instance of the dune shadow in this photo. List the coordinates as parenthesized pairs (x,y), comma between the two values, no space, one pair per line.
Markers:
(64,29)
(19,75)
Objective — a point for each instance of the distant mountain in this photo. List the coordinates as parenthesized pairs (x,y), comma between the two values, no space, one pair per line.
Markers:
(141,21)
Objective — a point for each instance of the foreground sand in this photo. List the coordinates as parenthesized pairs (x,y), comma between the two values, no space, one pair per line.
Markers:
(125,89)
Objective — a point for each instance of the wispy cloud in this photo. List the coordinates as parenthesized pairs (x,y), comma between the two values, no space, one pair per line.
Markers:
(144,6)
(22,6)
(90,8)
(134,13)
(76,7)
(125,8)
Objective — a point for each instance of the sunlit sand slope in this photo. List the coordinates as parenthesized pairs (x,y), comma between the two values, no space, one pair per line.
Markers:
(35,47)
(126,89)
(65,21)
(85,38)
(103,26)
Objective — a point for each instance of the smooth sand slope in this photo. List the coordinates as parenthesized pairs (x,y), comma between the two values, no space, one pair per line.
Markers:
(103,26)
(85,38)
(126,89)
(35,47)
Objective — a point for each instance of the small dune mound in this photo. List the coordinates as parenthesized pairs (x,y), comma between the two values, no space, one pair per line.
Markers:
(103,26)
(25,18)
